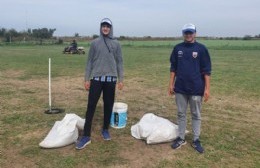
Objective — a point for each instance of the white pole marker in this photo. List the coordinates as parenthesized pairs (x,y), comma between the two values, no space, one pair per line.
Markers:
(50,83)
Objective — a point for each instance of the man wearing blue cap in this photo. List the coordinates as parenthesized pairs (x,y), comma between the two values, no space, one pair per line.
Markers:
(190,82)
(103,69)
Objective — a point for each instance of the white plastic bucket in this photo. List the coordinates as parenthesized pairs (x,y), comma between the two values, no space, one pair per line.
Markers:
(119,115)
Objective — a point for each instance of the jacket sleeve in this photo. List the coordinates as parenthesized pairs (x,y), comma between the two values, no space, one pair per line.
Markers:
(119,63)
(173,60)
(89,62)
(205,62)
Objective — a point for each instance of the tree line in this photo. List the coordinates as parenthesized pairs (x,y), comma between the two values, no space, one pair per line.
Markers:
(8,35)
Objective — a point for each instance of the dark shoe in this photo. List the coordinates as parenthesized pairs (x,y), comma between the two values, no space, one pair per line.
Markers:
(197,146)
(106,135)
(177,143)
(84,141)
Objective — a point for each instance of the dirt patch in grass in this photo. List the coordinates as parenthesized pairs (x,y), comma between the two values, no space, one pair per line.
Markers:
(13,159)
(11,74)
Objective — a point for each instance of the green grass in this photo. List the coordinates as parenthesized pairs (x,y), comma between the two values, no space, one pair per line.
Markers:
(230,121)
(211,44)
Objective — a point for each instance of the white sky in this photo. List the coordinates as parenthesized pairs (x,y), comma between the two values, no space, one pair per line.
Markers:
(134,17)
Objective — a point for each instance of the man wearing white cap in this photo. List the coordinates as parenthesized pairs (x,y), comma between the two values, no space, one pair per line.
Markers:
(190,82)
(103,69)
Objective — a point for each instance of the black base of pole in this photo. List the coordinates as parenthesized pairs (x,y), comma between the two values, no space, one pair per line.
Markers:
(54,111)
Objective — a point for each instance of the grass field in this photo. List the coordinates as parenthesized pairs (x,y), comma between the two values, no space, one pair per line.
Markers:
(230,120)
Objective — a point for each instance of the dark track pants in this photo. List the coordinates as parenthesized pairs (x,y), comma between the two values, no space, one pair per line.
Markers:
(96,87)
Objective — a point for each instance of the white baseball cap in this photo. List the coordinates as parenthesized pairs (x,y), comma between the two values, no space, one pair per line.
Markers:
(106,20)
(189,28)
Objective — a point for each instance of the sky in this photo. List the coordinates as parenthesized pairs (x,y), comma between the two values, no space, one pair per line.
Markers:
(165,18)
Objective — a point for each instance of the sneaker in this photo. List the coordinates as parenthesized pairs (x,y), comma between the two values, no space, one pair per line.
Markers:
(178,142)
(197,146)
(84,141)
(106,135)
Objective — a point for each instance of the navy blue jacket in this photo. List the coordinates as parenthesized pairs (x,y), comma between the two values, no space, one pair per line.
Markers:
(190,62)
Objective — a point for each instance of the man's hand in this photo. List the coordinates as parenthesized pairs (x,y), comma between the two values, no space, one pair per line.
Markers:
(120,85)
(87,85)
(170,90)
(207,88)
(206,95)
(171,84)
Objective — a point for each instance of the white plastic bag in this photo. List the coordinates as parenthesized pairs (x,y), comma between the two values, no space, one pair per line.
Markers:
(63,132)
(154,129)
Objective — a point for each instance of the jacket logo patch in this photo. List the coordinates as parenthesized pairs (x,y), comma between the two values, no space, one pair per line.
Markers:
(180,53)
(194,54)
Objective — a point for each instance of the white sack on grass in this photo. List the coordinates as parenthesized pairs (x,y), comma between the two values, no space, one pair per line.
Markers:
(154,129)
(80,122)
(63,132)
